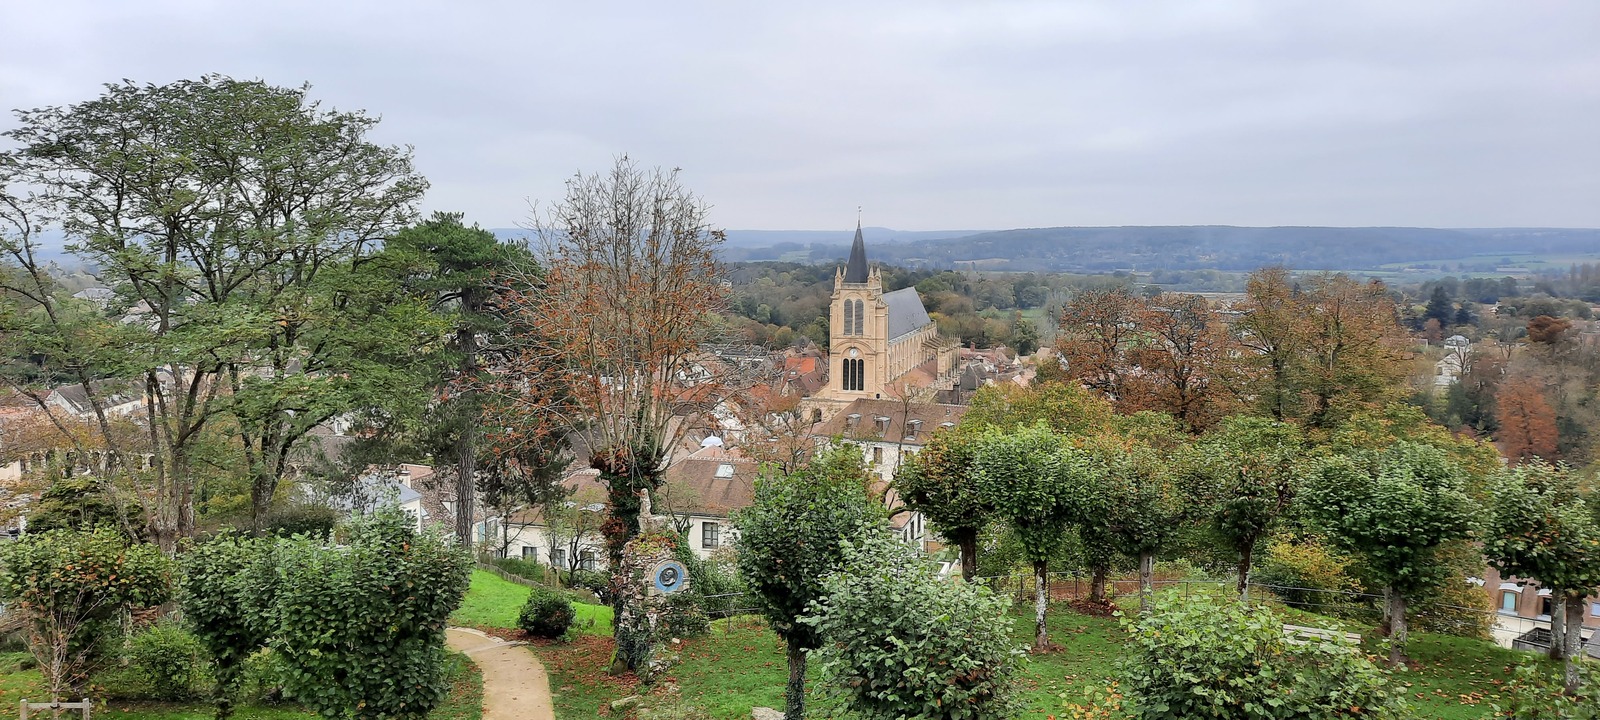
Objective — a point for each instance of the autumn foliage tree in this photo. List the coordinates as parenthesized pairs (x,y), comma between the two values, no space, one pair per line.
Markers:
(612,331)
(1527,422)
(1097,329)
(1318,348)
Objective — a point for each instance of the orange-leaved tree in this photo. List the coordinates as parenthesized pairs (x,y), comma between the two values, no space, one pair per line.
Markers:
(606,344)
(1527,422)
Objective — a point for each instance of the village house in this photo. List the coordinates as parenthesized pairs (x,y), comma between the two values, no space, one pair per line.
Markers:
(1523,613)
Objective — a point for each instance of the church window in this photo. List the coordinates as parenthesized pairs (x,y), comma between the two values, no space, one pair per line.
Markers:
(861,326)
(849,317)
(855,375)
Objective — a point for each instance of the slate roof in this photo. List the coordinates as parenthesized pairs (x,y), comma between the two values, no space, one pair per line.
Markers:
(112,393)
(713,481)
(906,312)
(856,270)
(900,426)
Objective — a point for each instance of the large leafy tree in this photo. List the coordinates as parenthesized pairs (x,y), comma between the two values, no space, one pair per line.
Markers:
(1039,486)
(1321,346)
(793,536)
(1098,327)
(1244,472)
(1544,526)
(1394,509)
(237,223)
(465,274)
(937,482)
(1527,423)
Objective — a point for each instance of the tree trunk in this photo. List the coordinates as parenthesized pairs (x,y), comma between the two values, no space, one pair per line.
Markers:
(968,542)
(1397,622)
(1573,641)
(466,488)
(794,696)
(1041,603)
(1147,561)
(1244,571)
(1558,625)
(1097,584)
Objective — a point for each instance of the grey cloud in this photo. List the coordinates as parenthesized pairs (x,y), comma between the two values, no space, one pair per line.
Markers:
(932,115)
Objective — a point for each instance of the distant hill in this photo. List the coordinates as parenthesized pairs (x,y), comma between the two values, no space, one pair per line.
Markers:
(1187,247)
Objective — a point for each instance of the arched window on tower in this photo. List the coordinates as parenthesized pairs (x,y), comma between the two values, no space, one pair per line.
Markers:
(849,318)
(855,375)
(861,326)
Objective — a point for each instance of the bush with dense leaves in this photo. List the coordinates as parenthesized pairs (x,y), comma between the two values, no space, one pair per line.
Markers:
(546,614)
(71,588)
(303,519)
(1307,575)
(683,614)
(900,643)
(1211,657)
(525,569)
(359,627)
(1535,693)
(226,589)
(596,582)
(169,660)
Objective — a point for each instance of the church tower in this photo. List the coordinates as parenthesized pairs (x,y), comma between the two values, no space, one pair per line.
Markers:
(858,323)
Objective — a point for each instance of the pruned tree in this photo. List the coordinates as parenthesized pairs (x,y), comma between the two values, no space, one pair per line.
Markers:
(1245,473)
(1065,406)
(1039,486)
(937,482)
(1145,504)
(1544,525)
(1394,509)
(71,589)
(793,536)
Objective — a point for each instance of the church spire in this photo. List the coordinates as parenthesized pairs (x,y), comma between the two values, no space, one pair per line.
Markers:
(856,270)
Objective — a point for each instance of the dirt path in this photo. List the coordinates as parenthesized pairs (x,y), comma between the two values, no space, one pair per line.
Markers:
(515,686)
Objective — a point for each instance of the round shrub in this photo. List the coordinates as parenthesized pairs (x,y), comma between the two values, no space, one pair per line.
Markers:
(900,643)
(169,660)
(1208,656)
(546,614)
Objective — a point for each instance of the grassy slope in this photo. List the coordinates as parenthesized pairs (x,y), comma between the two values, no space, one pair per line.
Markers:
(740,666)
(465,701)
(492,602)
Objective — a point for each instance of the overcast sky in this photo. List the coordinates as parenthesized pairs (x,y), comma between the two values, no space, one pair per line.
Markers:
(961,115)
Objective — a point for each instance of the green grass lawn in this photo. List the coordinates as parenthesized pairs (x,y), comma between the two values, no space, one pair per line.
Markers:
(465,701)
(741,665)
(493,602)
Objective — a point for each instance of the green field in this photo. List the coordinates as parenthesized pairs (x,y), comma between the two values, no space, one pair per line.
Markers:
(741,665)
(492,602)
